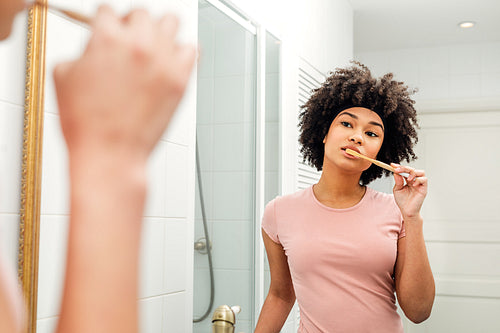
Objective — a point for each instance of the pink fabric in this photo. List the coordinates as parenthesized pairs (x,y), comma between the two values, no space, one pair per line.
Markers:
(341,260)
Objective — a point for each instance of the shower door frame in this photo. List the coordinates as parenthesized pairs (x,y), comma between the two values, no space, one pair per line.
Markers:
(260,31)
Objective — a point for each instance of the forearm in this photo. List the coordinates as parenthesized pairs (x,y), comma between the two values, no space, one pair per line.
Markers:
(273,314)
(11,304)
(415,287)
(107,199)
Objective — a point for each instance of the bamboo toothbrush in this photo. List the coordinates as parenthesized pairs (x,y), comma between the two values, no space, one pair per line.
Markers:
(86,20)
(380,164)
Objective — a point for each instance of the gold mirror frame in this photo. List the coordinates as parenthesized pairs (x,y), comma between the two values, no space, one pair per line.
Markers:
(31,180)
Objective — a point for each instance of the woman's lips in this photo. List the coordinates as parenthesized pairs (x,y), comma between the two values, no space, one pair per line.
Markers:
(346,154)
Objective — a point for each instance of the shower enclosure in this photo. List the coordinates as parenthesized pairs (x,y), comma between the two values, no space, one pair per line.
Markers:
(235,125)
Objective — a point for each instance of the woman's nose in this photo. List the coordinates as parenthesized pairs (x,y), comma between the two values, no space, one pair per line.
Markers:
(356,138)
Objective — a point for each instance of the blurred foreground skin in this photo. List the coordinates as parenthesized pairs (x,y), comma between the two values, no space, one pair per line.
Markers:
(11,307)
(115,102)
(8,11)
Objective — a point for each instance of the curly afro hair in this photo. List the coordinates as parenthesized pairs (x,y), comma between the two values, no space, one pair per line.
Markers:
(355,86)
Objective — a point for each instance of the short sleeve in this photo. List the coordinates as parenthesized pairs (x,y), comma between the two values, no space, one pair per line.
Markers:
(269,224)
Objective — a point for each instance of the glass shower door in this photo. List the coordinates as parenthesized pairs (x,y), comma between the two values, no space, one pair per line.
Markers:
(225,189)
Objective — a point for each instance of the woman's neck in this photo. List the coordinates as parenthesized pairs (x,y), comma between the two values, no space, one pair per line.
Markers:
(338,190)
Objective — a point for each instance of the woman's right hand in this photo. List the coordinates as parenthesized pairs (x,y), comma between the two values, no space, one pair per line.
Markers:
(121,94)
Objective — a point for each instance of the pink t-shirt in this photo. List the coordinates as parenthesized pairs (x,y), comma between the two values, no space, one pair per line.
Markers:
(341,260)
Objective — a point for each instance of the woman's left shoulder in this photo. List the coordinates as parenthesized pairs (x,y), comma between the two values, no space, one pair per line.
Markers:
(381,197)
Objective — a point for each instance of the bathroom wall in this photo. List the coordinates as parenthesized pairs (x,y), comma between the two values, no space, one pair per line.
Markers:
(442,74)
(458,106)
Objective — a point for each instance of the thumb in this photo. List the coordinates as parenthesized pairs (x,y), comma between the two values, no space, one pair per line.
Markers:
(399,182)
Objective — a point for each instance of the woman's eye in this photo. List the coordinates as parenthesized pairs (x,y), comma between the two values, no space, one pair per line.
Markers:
(346,124)
(371,134)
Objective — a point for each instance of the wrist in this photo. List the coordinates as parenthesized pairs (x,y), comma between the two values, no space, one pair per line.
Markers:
(112,175)
(415,221)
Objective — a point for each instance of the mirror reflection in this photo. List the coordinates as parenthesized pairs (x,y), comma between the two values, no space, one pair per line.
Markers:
(232,147)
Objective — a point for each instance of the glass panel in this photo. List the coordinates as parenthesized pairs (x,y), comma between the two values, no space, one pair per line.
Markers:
(226,149)
(273,133)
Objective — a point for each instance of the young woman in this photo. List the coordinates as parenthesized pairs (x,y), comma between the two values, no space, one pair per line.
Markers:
(342,249)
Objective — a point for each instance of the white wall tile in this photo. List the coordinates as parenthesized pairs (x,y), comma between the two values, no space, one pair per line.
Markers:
(13,63)
(9,240)
(232,245)
(201,259)
(230,43)
(202,292)
(206,36)
(157,182)
(243,325)
(152,257)
(490,60)
(47,325)
(272,97)
(52,264)
(205,100)
(434,62)
(204,326)
(433,87)
(64,43)
(228,203)
(207,188)
(181,127)
(404,65)
(465,86)
(490,84)
(11,145)
(377,62)
(249,101)
(229,95)
(176,252)
(175,317)
(272,158)
(177,181)
(205,141)
(234,287)
(272,182)
(228,148)
(55,175)
(465,59)
(151,315)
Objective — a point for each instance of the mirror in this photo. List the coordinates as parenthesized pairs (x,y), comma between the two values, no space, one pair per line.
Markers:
(459,103)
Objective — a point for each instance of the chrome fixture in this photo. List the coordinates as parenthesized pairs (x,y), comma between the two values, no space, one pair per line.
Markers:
(224,319)
(201,245)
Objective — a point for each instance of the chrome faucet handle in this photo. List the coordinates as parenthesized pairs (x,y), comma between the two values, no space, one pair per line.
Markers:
(224,319)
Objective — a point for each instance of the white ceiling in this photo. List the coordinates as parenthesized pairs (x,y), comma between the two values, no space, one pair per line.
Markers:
(395,24)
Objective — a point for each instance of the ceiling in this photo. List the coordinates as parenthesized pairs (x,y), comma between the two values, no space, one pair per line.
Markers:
(396,24)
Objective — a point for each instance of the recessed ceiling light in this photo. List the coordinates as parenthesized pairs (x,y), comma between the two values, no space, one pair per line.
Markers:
(466,24)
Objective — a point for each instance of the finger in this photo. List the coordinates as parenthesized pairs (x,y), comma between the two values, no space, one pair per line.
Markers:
(420,181)
(186,56)
(405,169)
(105,18)
(169,25)
(140,28)
(399,182)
